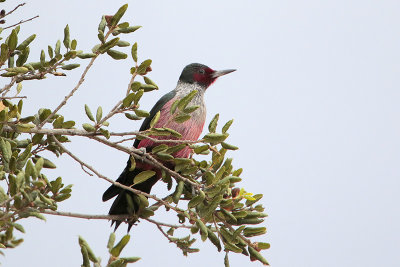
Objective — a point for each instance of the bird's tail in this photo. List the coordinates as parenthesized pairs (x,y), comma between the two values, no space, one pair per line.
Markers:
(127,202)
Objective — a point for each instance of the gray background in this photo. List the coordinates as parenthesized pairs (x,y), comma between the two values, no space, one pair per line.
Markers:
(315,103)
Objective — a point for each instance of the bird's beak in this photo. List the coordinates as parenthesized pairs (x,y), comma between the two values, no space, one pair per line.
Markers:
(219,73)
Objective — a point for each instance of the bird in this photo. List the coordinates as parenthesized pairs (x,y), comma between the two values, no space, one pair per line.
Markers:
(194,76)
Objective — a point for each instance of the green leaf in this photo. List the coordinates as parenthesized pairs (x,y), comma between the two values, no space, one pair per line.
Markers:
(117,17)
(42,58)
(226,126)
(196,200)
(4,52)
(148,87)
(85,256)
(256,197)
(57,48)
(249,221)
(182,118)
(215,137)
(50,51)
(83,243)
(130,259)
(129,29)
(132,116)
(174,149)
(102,24)
(159,148)
(141,113)
(186,99)
(190,109)
(116,54)
(99,114)
(108,45)
(155,119)
(26,42)
(138,96)
(88,127)
(201,149)
(68,124)
(86,55)
(203,229)
(127,101)
(147,80)
(172,132)
(178,191)
(111,239)
(18,69)
(143,176)
(228,146)
(214,239)
(39,164)
(134,52)
(48,164)
(70,66)
(262,245)
(232,247)
(123,25)
(23,57)
(12,40)
(254,231)
(213,124)
(89,113)
(115,251)
(66,41)
(18,227)
(255,254)
(228,215)
(105,132)
(74,44)
(133,163)
(174,106)
(123,43)
(142,69)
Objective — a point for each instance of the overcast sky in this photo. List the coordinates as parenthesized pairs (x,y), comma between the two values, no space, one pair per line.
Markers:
(316,108)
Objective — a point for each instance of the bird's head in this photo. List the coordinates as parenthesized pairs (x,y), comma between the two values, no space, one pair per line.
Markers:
(201,74)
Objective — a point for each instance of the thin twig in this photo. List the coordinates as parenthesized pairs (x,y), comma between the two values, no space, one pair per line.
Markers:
(165,234)
(248,241)
(81,80)
(125,140)
(138,192)
(168,225)
(18,6)
(7,87)
(78,132)
(147,158)
(22,21)
(86,216)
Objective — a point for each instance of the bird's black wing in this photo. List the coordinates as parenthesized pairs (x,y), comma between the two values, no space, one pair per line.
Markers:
(126,177)
(157,107)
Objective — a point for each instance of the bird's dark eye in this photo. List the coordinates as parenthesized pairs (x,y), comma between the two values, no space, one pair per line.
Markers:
(202,71)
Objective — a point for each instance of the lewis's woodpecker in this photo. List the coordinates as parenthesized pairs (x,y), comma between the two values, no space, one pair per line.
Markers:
(194,77)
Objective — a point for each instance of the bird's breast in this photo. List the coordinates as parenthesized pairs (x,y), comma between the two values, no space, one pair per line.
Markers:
(190,129)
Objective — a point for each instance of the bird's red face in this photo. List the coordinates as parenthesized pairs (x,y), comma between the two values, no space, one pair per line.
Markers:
(201,74)
(204,76)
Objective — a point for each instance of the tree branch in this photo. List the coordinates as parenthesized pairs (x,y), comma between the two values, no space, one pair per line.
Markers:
(22,21)
(10,12)
(138,192)
(168,225)
(81,80)
(85,216)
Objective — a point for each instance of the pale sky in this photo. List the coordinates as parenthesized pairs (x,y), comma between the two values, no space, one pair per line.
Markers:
(315,101)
